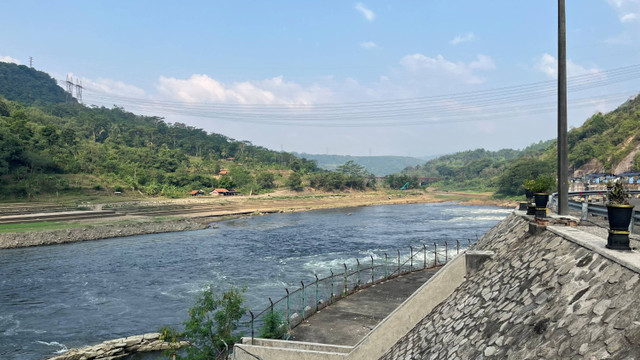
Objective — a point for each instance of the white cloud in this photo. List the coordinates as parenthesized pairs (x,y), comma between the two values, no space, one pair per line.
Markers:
(628,10)
(548,65)
(483,62)
(463,38)
(368,45)
(113,87)
(367,13)
(460,70)
(623,3)
(9,59)
(202,88)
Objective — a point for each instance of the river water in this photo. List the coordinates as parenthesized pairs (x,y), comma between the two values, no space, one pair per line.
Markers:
(70,295)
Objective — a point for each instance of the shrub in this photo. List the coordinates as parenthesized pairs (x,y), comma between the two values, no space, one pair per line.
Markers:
(274,326)
(210,329)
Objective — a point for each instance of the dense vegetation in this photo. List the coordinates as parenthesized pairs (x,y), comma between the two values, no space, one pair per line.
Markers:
(55,147)
(605,138)
(25,85)
(478,170)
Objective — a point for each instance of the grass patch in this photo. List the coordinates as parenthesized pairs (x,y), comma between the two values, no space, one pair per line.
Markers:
(38,226)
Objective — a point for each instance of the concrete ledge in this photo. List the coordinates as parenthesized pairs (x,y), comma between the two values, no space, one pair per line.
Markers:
(474,259)
(300,345)
(628,259)
(250,352)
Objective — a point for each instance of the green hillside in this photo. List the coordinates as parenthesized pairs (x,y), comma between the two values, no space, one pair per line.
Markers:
(51,147)
(605,142)
(26,85)
(377,165)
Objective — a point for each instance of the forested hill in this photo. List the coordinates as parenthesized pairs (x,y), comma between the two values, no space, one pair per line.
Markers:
(377,165)
(604,143)
(27,85)
(50,147)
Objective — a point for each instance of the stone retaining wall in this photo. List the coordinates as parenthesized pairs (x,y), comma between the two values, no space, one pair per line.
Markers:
(540,297)
(117,348)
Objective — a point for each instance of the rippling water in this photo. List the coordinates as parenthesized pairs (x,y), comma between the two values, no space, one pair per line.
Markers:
(62,296)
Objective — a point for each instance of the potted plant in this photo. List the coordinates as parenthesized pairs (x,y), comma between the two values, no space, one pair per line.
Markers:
(619,213)
(528,193)
(542,186)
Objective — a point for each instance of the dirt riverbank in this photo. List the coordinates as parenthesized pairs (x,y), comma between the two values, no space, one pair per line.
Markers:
(158,216)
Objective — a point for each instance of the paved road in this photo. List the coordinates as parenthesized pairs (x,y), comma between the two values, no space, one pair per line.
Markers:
(350,319)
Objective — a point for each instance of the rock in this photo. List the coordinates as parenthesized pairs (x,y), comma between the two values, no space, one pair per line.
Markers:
(490,351)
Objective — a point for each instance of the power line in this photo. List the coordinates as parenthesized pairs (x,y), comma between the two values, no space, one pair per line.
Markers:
(515,100)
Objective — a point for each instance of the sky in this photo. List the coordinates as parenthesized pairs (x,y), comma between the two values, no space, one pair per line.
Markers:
(411,78)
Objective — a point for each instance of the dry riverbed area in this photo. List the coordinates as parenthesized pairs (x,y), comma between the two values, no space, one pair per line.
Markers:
(170,215)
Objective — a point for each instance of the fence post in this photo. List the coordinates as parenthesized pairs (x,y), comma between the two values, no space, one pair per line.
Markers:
(271,307)
(424,248)
(288,307)
(303,299)
(585,211)
(386,266)
(317,293)
(457,247)
(331,300)
(435,254)
(398,261)
(446,252)
(372,270)
(252,318)
(346,288)
(358,273)
(411,259)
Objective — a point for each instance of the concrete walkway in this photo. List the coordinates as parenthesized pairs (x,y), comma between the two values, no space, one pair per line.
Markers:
(347,321)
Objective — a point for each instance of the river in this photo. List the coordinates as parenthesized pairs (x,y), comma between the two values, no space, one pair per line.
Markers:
(70,295)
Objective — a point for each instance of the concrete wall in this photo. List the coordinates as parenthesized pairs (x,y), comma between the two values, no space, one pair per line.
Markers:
(414,309)
(550,295)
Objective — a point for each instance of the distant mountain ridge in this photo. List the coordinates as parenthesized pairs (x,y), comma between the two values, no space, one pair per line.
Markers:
(377,165)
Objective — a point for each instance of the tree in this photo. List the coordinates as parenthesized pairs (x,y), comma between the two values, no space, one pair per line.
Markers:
(210,329)
(265,180)
(519,171)
(294,182)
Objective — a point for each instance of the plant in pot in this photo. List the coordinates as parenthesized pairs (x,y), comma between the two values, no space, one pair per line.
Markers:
(528,193)
(619,213)
(542,187)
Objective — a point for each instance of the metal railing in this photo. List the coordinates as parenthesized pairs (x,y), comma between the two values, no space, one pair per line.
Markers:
(298,305)
(587,209)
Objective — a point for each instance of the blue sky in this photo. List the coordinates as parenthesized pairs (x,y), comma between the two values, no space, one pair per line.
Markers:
(283,54)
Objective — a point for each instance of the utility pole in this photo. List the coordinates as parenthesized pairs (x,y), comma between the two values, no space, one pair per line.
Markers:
(563,151)
(31,62)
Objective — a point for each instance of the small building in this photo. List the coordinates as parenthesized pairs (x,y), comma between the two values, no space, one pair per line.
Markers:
(223,192)
(196,192)
(223,172)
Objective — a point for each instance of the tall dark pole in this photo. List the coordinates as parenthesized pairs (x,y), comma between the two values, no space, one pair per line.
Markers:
(563,162)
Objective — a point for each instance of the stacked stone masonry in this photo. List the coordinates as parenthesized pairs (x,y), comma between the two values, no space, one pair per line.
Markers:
(539,297)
